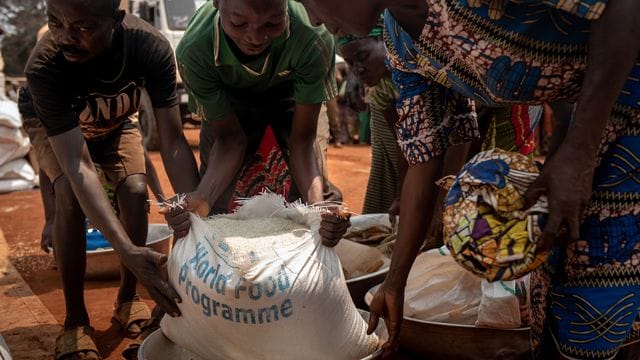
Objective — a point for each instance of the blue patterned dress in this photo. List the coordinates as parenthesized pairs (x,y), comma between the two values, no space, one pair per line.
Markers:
(586,299)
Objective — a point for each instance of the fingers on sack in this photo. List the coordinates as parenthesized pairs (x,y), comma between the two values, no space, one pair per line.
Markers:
(330,239)
(165,301)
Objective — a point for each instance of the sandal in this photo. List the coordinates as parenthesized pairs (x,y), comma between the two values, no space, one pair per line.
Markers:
(129,313)
(74,341)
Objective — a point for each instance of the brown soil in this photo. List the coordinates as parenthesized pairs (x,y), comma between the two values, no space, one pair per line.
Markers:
(21,219)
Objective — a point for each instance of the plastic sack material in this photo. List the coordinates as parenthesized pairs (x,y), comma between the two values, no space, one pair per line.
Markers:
(13,144)
(276,296)
(9,114)
(438,289)
(499,306)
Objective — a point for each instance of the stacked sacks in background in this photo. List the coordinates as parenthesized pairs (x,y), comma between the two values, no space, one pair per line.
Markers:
(485,226)
(258,284)
(15,171)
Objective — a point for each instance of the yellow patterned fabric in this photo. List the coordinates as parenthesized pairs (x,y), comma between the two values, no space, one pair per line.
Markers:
(485,226)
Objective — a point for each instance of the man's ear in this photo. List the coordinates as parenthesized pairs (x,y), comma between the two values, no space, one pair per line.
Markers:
(118,17)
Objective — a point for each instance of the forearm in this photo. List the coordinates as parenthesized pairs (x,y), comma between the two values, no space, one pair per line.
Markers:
(302,157)
(614,43)
(416,209)
(304,170)
(403,167)
(177,156)
(48,197)
(87,188)
(180,165)
(225,160)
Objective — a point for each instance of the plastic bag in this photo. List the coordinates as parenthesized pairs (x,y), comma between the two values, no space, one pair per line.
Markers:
(499,306)
(438,289)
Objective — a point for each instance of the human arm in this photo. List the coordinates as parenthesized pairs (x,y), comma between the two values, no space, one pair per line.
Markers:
(177,156)
(304,167)
(416,203)
(225,160)
(423,136)
(49,204)
(74,159)
(306,174)
(391,116)
(614,44)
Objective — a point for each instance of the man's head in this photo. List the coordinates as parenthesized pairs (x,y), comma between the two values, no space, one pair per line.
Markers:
(253,24)
(83,29)
(345,16)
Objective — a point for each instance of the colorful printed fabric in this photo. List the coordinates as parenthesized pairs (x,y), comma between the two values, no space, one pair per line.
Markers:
(267,170)
(431,119)
(501,53)
(484,225)
(586,300)
(511,129)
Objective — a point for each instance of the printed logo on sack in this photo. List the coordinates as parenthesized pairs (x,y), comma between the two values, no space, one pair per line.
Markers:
(198,273)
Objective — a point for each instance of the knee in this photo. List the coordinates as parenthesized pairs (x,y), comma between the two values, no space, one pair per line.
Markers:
(65,198)
(133,188)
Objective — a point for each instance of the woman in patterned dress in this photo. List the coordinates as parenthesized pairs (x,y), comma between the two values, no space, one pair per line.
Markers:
(501,52)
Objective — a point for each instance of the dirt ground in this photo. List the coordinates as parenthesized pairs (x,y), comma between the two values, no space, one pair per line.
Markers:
(21,220)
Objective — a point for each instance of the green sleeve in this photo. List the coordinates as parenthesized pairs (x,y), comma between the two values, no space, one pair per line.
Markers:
(207,94)
(315,78)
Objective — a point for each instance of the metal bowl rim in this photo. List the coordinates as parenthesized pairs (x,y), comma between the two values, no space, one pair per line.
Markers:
(110,249)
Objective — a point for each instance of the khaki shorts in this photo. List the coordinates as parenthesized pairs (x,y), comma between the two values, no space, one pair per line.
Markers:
(116,155)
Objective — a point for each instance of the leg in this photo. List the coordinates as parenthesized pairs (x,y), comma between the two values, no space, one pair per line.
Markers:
(132,201)
(69,243)
(121,158)
(131,313)
(49,203)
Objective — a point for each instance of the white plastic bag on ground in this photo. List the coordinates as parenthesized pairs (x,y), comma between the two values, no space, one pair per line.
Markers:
(263,290)
(13,144)
(499,306)
(438,289)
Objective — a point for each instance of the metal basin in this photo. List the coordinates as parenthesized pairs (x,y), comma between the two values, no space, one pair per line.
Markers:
(434,340)
(158,347)
(358,286)
(103,264)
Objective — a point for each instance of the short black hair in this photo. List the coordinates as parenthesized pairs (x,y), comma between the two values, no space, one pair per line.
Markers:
(102,7)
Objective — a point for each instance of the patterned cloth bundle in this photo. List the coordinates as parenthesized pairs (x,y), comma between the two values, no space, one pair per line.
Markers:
(485,226)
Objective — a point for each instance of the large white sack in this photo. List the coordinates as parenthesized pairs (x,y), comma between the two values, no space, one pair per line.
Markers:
(18,169)
(438,289)
(13,144)
(15,185)
(9,114)
(263,297)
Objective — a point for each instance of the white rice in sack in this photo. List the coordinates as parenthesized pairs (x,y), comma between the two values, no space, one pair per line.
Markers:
(258,284)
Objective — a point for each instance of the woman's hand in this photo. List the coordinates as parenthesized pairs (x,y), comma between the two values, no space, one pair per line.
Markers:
(388,303)
(568,190)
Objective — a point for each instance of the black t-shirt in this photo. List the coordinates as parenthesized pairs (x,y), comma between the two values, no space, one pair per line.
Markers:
(101,94)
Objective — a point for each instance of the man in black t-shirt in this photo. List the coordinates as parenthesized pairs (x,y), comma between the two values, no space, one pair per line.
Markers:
(84,80)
